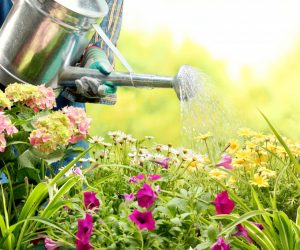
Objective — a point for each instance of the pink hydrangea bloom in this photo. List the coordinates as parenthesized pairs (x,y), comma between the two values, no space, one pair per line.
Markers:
(85,229)
(36,97)
(6,125)
(223,204)
(225,162)
(39,137)
(80,122)
(128,197)
(153,177)
(143,219)
(163,162)
(221,244)
(51,132)
(51,244)
(45,99)
(91,201)
(7,128)
(2,142)
(146,196)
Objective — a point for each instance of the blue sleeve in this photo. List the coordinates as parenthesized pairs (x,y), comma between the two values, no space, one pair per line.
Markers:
(5,6)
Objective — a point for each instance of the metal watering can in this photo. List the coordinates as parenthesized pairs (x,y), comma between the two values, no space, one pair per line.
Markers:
(41,39)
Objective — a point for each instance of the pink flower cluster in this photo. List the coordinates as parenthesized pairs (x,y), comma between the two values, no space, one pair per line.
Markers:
(36,97)
(224,205)
(44,100)
(140,177)
(85,226)
(80,123)
(85,229)
(146,197)
(60,128)
(6,128)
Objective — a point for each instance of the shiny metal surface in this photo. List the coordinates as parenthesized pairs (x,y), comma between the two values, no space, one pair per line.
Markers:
(185,74)
(39,37)
(70,74)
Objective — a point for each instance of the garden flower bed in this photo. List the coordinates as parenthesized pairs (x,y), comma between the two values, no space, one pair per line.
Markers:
(128,193)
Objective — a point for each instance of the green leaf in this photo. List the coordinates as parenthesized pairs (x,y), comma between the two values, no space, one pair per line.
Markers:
(260,237)
(298,217)
(52,157)
(237,221)
(38,194)
(261,208)
(176,204)
(28,166)
(70,165)
(285,230)
(51,207)
(292,158)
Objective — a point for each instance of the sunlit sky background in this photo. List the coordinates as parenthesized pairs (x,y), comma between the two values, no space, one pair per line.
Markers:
(240,32)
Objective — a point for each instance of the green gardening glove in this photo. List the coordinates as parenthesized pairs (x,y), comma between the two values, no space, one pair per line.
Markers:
(95,58)
(92,89)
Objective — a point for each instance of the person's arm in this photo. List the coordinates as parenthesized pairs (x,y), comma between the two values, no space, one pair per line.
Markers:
(111,25)
(99,56)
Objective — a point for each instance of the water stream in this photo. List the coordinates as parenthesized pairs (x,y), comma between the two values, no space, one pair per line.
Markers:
(203,111)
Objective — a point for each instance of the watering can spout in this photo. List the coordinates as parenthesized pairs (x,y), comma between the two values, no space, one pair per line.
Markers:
(70,74)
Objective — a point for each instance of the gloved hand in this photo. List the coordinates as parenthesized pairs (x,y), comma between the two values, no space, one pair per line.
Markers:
(89,89)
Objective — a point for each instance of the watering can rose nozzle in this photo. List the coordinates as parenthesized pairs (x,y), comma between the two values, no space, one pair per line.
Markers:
(181,83)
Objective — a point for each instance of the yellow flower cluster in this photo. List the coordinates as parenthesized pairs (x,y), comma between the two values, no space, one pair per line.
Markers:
(253,155)
(4,101)
(51,132)
(21,92)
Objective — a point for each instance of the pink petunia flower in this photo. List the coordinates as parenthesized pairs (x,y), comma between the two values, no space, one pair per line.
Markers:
(163,162)
(51,244)
(223,204)
(143,219)
(83,246)
(221,244)
(135,179)
(91,201)
(241,231)
(77,171)
(260,226)
(128,197)
(146,196)
(157,189)
(153,177)
(225,162)
(85,229)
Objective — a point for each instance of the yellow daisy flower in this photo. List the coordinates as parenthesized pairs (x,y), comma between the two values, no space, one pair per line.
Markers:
(203,137)
(259,180)
(218,174)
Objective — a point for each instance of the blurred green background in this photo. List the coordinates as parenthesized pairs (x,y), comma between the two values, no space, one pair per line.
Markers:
(156,112)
